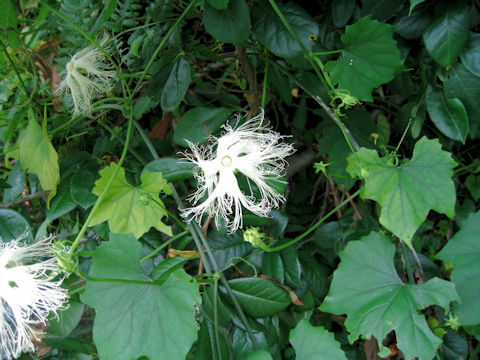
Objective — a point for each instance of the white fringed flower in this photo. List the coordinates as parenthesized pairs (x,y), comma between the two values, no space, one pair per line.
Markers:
(259,156)
(88,76)
(28,293)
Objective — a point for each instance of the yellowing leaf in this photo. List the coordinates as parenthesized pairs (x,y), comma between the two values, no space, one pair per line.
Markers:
(38,156)
(189,254)
(128,208)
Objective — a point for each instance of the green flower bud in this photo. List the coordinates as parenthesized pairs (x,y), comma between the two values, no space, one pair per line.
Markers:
(255,237)
(64,257)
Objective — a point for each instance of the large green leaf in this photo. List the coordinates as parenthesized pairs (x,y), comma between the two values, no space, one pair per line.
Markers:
(314,343)
(471,54)
(463,250)
(407,192)
(67,319)
(136,317)
(176,85)
(293,268)
(62,203)
(455,347)
(131,208)
(219,4)
(380,10)
(228,249)
(414,3)
(411,25)
(231,24)
(271,32)
(206,344)
(82,183)
(465,85)
(314,274)
(342,11)
(13,225)
(272,266)
(16,179)
(8,15)
(259,297)
(38,156)
(448,115)
(172,169)
(260,355)
(370,58)
(382,302)
(445,38)
(197,124)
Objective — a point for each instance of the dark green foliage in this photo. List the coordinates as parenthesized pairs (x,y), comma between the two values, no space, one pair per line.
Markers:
(378,233)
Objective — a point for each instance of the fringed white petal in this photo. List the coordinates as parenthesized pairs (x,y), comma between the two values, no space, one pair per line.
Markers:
(259,156)
(88,76)
(28,293)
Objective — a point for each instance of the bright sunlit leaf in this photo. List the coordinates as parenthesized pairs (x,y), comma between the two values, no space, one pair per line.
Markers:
(38,156)
(128,208)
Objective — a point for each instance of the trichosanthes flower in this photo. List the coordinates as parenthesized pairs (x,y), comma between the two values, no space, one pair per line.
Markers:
(251,150)
(88,75)
(28,293)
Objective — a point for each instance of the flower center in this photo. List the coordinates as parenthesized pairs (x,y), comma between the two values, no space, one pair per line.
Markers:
(226,161)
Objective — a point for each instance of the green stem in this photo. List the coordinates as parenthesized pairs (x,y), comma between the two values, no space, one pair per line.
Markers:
(285,23)
(119,138)
(319,71)
(215,318)
(317,224)
(76,291)
(162,44)
(467,167)
(14,68)
(146,140)
(192,230)
(407,262)
(351,142)
(226,285)
(413,115)
(265,80)
(165,244)
(417,260)
(107,186)
(200,240)
(95,106)
(170,214)
(324,73)
(128,76)
(320,53)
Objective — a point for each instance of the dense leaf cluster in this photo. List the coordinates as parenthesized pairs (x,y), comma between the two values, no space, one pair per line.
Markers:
(375,252)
